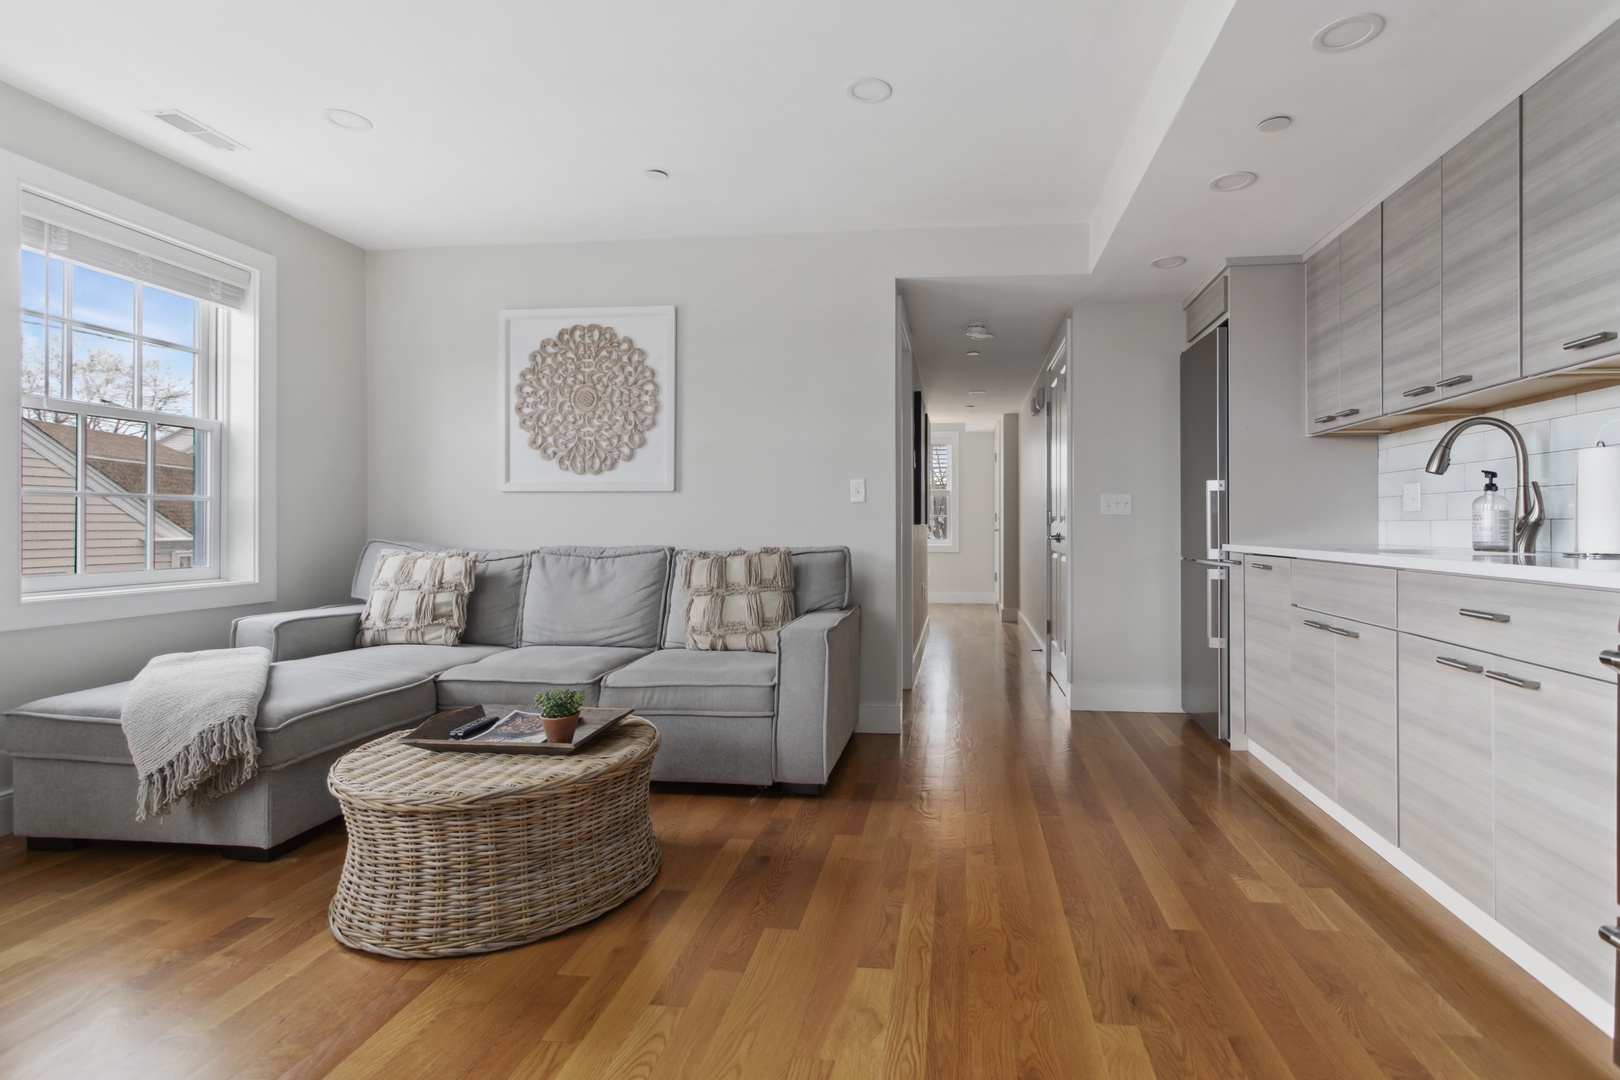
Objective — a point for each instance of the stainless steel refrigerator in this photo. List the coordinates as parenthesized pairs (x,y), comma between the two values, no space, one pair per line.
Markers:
(1205,571)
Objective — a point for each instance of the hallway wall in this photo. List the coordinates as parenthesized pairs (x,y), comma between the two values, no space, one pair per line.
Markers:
(1032,522)
(967,576)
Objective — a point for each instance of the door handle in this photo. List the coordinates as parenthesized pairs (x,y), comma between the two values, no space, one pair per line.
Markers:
(1513,680)
(1460,665)
(1590,339)
(1345,413)
(1261,565)
(1314,625)
(1328,419)
(1488,616)
(1056,536)
(1455,380)
(1212,514)
(1610,657)
(1212,606)
(1611,934)
(1342,632)
(1417,391)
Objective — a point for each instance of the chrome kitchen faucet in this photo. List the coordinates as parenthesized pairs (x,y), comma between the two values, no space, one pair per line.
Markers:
(1527,516)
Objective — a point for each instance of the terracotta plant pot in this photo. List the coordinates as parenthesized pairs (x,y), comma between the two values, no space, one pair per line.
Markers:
(560,729)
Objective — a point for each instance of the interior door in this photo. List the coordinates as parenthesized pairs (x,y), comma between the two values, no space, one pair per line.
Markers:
(1057,517)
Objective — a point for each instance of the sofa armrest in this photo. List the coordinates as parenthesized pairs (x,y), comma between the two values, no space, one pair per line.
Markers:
(818,693)
(293,635)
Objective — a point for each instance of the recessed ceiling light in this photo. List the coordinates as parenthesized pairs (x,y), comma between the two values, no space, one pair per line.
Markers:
(979,332)
(1351,32)
(1274,123)
(977,393)
(1169,262)
(973,406)
(870,91)
(1232,181)
(656,174)
(973,352)
(348,121)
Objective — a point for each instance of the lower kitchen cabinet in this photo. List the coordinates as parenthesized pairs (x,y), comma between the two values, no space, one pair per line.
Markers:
(1364,717)
(1312,751)
(1555,814)
(1267,697)
(1446,811)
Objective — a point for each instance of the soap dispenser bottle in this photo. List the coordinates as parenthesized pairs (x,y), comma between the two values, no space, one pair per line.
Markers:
(1493,518)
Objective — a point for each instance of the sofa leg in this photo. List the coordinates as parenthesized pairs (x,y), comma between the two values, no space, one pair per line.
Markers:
(269,854)
(55,843)
(802,789)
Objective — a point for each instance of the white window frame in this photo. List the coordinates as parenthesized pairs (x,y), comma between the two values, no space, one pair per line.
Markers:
(952,439)
(243,569)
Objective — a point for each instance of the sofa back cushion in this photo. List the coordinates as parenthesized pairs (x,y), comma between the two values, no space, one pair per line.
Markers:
(607,597)
(820,583)
(495,608)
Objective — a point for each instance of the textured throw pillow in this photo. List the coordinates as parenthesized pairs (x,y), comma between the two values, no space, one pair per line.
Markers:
(417,598)
(736,601)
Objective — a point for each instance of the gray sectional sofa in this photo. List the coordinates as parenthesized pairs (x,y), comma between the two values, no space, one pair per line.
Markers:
(607,621)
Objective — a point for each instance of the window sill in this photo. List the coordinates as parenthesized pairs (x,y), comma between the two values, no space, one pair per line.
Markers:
(129,602)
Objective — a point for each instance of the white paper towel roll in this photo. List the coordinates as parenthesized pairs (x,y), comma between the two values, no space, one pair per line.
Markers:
(1597,500)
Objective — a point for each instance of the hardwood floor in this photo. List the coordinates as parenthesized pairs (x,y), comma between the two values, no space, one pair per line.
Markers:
(1007,891)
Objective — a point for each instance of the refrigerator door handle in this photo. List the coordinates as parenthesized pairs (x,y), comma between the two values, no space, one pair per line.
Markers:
(1212,606)
(1212,516)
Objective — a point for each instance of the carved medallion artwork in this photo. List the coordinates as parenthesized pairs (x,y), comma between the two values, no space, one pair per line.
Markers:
(587,399)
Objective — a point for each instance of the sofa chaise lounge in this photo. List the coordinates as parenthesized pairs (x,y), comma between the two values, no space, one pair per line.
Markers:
(608,621)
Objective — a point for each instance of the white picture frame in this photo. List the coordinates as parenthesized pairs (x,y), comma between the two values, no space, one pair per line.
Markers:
(523,467)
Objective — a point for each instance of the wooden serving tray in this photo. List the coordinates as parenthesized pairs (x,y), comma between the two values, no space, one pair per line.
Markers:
(430,734)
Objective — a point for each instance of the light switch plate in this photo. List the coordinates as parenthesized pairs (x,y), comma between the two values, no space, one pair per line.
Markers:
(857,491)
(1412,497)
(1116,504)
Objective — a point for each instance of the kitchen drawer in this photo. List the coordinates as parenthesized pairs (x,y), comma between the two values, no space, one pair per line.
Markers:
(1363,593)
(1557,626)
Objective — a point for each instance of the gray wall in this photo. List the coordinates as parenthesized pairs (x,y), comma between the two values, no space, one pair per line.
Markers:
(967,576)
(1007,506)
(320,428)
(1125,387)
(1032,521)
(786,368)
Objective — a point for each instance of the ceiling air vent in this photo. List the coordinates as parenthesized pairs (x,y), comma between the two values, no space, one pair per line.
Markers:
(199,131)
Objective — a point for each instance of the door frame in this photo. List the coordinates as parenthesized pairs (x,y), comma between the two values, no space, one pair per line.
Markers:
(1058,362)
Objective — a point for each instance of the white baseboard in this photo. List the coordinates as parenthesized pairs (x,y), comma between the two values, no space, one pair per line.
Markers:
(1034,634)
(1153,699)
(961,598)
(1584,1001)
(879,719)
(1007,614)
(8,823)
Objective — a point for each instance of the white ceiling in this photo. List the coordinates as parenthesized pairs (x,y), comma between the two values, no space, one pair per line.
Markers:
(502,121)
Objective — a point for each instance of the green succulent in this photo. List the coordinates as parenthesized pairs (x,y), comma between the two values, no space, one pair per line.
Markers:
(554,703)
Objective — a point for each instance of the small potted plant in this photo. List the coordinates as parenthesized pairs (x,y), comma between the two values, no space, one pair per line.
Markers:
(559,712)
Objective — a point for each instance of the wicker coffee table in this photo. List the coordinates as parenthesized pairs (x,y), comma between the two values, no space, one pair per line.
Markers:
(452,854)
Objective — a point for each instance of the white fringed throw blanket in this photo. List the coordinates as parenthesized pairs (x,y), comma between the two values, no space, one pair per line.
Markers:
(189,719)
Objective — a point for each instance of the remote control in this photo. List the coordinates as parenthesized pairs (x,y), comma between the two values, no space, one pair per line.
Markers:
(475,727)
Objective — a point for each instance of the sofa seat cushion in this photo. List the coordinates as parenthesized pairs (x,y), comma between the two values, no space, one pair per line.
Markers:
(516,676)
(309,706)
(682,681)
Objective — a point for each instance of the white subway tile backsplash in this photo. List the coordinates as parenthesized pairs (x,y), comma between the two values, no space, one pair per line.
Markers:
(1595,400)
(1408,533)
(1452,534)
(1557,536)
(1586,429)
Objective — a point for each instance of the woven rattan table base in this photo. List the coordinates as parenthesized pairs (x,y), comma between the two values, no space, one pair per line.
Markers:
(453,854)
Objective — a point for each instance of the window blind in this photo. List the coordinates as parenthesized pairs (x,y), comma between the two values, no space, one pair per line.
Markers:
(70,233)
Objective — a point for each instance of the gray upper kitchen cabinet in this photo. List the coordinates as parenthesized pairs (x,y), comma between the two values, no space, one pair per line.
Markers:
(1322,337)
(1555,814)
(1412,307)
(1571,195)
(1361,318)
(1312,751)
(1480,258)
(1267,664)
(1446,806)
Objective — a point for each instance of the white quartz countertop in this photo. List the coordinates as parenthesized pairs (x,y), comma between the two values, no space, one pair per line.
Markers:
(1548,567)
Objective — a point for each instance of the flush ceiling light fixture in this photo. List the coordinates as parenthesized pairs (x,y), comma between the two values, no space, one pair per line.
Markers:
(348,121)
(979,332)
(656,174)
(1273,124)
(196,129)
(1169,262)
(973,352)
(1232,181)
(1350,32)
(977,393)
(870,91)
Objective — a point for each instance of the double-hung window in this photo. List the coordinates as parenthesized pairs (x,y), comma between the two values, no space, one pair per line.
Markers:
(941,516)
(145,460)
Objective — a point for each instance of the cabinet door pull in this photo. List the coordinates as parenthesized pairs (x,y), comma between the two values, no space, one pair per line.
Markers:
(1345,413)
(1609,657)
(1590,339)
(1611,934)
(1418,391)
(1460,665)
(1455,380)
(1261,565)
(1342,632)
(1314,625)
(1328,419)
(1513,680)
(1488,616)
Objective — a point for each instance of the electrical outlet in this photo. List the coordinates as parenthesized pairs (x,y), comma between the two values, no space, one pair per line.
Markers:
(1412,497)
(857,491)
(1116,504)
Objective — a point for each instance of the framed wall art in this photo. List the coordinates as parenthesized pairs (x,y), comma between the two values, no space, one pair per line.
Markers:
(588,399)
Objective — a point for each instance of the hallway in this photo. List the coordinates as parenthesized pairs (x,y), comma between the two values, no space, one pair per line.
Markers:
(1005,892)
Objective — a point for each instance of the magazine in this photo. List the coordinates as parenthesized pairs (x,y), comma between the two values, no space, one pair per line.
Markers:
(516,726)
